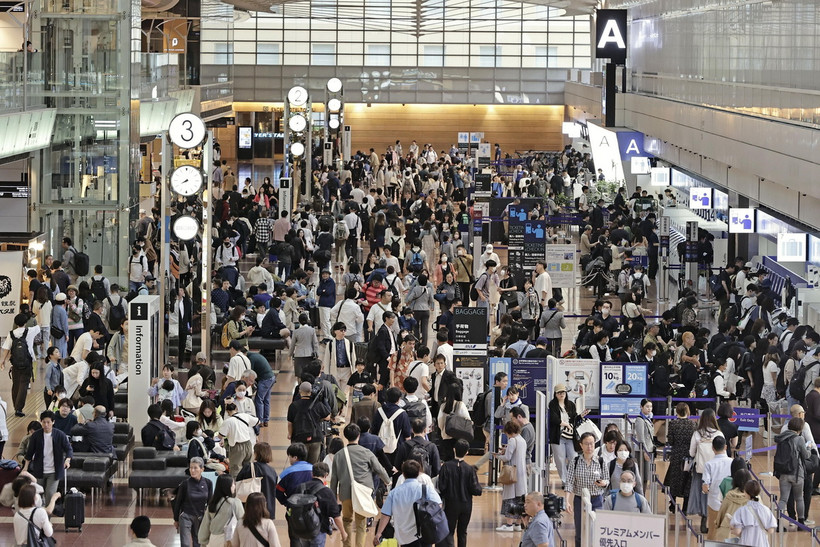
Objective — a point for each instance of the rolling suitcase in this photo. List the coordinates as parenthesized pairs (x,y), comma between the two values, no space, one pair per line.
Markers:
(74,507)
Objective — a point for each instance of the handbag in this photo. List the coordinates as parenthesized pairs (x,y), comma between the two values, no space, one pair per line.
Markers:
(57,333)
(246,487)
(459,427)
(360,495)
(35,537)
(508,475)
(588,426)
(687,465)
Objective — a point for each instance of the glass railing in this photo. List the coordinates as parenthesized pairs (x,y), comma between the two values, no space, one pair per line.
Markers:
(20,68)
(795,105)
(159,75)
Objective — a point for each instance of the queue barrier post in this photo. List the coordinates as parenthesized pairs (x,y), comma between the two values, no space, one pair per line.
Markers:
(671,412)
(768,440)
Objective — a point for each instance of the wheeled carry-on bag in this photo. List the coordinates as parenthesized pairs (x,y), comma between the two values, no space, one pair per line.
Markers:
(74,504)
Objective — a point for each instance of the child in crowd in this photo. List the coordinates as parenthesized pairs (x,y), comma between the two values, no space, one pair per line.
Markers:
(407,321)
(358,379)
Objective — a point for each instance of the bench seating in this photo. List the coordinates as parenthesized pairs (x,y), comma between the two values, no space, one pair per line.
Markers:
(156,469)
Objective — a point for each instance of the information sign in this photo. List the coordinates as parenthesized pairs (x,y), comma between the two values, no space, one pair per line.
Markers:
(529,376)
(628,529)
(471,327)
(561,265)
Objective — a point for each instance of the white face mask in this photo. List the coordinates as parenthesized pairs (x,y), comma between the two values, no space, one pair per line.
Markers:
(240,394)
(623,454)
(627,487)
(604,311)
(444,259)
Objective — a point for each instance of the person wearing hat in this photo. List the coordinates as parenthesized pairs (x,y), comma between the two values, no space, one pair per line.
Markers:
(488,255)
(59,324)
(563,417)
(484,282)
(326,292)
(150,286)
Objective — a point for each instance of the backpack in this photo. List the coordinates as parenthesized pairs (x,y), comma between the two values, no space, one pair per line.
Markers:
(225,339)
(623,281)
(797,387)
(479,408)
(20,356)
(745,365)
(705,452)
(81,263)
(416,262)
(615,497)
(98,288)
(132,294)
(116,314)
(705,388)
(786,458)
(637,284)
(431,522)
(395,248)
(715,285)
(473,290)
(387,431)
(415,409)
(339,231)
(34,534)
(304,424)
(164,439)
(419,453)
(780,386)
(304,519)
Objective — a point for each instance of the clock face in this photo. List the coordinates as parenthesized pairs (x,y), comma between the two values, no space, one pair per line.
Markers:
(186,228)
(297,123)
(187,130)
(297,96)
(186,180)
(297,149)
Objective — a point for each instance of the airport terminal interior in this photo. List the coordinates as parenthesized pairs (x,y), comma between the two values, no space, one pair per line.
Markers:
(604,201)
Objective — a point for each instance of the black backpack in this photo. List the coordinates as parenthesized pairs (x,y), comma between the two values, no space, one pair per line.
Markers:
(304,519)
(20,356)
(415,409)
(637,284)
(164,439)
(797,387)
(418,452)
(98,288)
(81,263)
(431,522)
(479,408)
(780,386)
(786,458)
(395,248)
(304,425)
(116,314)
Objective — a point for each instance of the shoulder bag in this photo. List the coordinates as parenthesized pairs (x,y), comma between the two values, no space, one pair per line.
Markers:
(246,487)
(360,495)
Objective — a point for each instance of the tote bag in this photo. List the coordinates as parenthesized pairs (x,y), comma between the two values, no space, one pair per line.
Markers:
(246,487)
(360,495)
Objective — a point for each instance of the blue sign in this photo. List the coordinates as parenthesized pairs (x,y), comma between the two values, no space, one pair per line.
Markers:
(618,406)
(630,144)
(529,376)
(746,419)
(518,212)
(635,376)
(535,231)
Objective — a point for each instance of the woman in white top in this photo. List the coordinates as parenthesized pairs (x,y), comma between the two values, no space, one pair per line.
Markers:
(700,448)
(42,309)
(721,387)
(26,511)
(770,372)
(223,514)
(453,405)
(754,521)
(193,393)
(514,454)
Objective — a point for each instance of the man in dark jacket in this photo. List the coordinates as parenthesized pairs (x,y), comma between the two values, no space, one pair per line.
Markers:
(152,432)
(401,423)
(458,483)
(95,322)
(98,434)
(405,450)
(383,347)
(48,466)
(272,325)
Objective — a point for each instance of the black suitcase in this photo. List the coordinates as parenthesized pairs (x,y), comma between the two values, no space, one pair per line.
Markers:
(74,504)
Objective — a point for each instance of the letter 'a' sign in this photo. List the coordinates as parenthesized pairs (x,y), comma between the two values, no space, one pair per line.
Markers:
(610,35)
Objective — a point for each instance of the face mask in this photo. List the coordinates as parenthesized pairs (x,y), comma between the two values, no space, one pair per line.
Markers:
(227,244)
(240,394)
(627,487)
(604,312)
(443,259)
(623,454)
(650,354)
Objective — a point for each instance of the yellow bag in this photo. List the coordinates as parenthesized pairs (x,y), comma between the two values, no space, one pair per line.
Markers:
(226,340)
(392,542)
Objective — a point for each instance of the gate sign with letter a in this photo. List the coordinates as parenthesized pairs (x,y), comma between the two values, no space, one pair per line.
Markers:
(610,35)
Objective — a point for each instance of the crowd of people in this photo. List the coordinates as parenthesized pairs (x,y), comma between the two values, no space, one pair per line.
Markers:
(378,420)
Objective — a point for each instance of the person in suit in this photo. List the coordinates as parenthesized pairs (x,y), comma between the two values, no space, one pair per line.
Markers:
(438,391)
(184,310)
(49,465)
(304,346)
(340,357)
(384,346)
(95,322)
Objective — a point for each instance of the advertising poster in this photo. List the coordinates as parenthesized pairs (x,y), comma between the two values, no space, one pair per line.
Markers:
(581,377)
(11,281)
(561,265)
(471,329)
(470,370)
(529,376)
(527,239)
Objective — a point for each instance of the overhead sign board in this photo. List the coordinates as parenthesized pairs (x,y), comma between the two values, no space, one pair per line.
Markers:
(700,198)
(741,220)
(610,35)
(791,247)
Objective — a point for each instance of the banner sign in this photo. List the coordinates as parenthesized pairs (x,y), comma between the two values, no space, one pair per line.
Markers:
(561,265)
(11,289)
(529,376)
(471,329)
(498,205)
(482,185)
(633,529)
(527,240)
(623,385)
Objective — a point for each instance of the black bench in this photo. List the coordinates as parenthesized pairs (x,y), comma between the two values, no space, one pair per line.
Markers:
(91,471)
(124,442)
(156,469)
(268,346)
